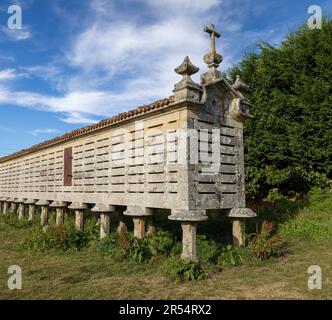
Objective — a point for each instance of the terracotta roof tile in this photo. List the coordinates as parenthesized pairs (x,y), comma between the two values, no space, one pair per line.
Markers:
(102,124)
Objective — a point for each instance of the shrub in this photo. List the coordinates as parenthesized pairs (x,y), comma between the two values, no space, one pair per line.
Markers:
(13,221)
(109,244)
(153,245)
(207,250)
(235,255)
(265,244)
(184,270)
(125,246)
(64,237)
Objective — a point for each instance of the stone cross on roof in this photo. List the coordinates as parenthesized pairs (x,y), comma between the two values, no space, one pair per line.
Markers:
(213,34)
(212,58)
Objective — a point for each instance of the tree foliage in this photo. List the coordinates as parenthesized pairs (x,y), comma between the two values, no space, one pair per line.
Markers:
(288,143)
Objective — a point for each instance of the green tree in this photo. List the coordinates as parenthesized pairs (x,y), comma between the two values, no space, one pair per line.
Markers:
(288,143)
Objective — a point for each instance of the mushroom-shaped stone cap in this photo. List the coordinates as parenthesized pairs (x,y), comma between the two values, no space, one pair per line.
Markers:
(241,213)
(58,204)
(42,203)
(78,206)
(138,211)
(30,201)
(188,215)
(20,200)
(99,207)
(186,68)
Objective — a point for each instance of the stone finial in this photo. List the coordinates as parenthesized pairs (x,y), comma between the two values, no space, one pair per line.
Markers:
(239,85)
(186,89)
(186,69)
(212,58)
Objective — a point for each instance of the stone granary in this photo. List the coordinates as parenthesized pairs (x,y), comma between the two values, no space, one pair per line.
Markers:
(183,153)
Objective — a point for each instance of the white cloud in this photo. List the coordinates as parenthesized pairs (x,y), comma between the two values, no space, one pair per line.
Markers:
(37,132)
(7,74)
(121,61)
(17,34)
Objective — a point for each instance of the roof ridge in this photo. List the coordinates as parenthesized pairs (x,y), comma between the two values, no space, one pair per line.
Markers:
(101,124)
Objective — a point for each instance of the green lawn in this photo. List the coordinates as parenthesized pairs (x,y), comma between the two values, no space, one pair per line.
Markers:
(88,274)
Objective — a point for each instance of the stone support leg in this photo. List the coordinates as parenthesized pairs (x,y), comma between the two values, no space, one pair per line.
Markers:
(122,227)
(32,209)
(189,220)
(21,209)
(140,216)
(79,220)
(105,211)
(60,213)
(5,207)
(139,227)
(238,216)
(13,207)
(189,241)
(44,216)
(238,231)
(105,224)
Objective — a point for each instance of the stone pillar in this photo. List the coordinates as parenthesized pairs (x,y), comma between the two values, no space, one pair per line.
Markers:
(238,231)
(139,227)
(44,216)
(32,207)
(79,220)
(13,207)
(189,251)
(60,216)
(122,227)
(140,216)
(43,211)
(79,209)
(105,224)
(60,207)
(105,212)
(21,211)
(189,220)
(238,216)
(5,207)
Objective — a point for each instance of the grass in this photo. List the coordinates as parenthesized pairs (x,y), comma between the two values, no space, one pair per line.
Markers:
(90,274)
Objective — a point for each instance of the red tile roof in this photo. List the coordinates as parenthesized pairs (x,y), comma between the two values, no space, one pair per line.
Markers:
(102,124)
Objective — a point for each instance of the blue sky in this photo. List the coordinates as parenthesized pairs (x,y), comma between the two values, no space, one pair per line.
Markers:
(76,62)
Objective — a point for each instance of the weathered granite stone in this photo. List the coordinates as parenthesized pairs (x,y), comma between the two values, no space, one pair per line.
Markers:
(187,89)
(241,213)
(189,251)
